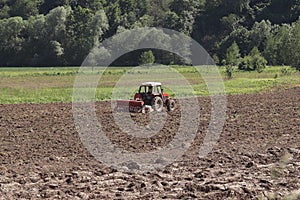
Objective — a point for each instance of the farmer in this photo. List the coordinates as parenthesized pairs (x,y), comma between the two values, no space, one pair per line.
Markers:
(150,89)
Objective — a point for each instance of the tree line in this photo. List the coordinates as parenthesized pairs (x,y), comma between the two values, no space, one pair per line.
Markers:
(63,32)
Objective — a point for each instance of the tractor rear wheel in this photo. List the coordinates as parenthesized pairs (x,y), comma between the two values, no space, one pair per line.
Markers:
(171,105)
(157,104)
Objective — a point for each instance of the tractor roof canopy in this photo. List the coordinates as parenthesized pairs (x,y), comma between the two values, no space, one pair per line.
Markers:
(151,84)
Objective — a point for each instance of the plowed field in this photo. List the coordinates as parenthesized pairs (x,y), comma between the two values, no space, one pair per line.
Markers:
(257,156)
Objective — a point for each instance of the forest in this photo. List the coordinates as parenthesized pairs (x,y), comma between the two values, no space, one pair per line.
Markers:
(234,32)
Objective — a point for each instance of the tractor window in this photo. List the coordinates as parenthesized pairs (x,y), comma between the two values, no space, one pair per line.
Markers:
(158,89)
(142,89)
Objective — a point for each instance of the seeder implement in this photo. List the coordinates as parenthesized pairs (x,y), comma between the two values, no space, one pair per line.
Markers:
(130,106)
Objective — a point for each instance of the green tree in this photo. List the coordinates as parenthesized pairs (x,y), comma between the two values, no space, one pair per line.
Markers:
(98,25)
(254,61)
(186,10)
(11,43)
(55,22)
(259,62)
(232,59)
(4,11)
(96,5)
(233,55)
(147,57)
(144,21)
(216,59)
(271,49)
(246,64)
(78,40)
(295,45)
(259,34)
(278,46)
(172,21)
(56,30)
(35,43)
(25,8)
(229,71)
(230,22)
(240,36)
(84,30)
(128,14)
(158,9)
(113,12)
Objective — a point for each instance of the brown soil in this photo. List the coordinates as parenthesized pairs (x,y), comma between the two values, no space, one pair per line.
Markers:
(257,156)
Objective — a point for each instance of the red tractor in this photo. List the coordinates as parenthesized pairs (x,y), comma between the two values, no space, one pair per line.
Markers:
(149,97)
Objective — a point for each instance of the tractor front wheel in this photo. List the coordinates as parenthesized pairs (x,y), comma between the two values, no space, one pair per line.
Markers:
(157,104)
(171,105)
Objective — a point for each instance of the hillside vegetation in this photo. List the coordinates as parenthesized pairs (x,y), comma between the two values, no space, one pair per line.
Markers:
(62,32)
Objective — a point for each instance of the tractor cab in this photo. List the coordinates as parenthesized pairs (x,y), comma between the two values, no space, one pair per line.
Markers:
(148,91)
(150,88)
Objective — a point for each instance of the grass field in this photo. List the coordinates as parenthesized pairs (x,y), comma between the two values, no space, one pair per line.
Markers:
(43,85)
